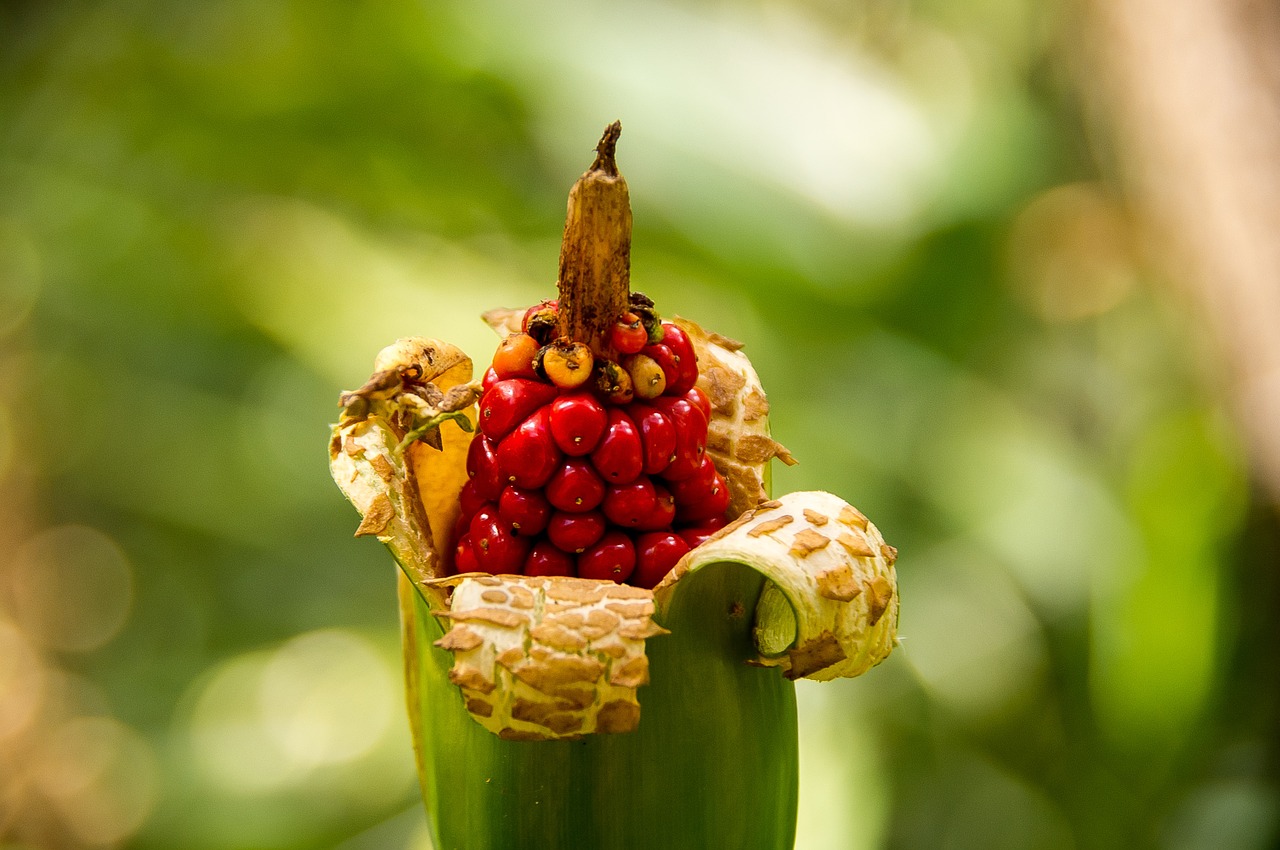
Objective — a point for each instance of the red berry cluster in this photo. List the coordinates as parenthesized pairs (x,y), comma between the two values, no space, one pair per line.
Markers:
(594,478)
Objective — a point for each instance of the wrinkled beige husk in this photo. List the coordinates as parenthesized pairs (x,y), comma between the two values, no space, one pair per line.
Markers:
(549,658)
(831,609)
(543,658)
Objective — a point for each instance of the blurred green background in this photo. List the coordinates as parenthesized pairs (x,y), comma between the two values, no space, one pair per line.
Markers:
(213,215)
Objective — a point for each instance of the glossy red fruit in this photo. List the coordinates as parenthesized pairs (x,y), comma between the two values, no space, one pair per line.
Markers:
(628,505)
(678,341)
(657,437)
(575,532)
(469,500)
(664,511)
(700,400)
(526,510)
(713,505)
(482,467)
(514,357)
(666,360)
(620,456)
(656,553)
(528,457)
(498,549)
(546,560)
(695,488)
(464,557)
(490,378)
(628,335)
(508,403)
(613,557)
(696,535)
(691,436)
(575,487)
(577,423)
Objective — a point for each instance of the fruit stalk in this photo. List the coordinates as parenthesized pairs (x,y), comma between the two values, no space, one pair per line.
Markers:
(595,253)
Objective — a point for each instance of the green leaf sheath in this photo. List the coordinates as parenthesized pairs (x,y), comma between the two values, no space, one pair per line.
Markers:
(713,763)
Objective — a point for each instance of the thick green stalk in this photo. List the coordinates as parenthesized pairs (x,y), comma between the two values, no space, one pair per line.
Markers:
(713,762)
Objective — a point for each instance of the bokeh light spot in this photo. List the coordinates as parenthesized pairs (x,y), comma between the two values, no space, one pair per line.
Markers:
(73,587)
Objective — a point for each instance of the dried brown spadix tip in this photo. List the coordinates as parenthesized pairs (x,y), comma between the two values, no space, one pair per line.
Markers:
(595,254)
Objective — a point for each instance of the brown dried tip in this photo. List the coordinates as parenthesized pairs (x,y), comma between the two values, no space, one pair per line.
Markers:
(606,150)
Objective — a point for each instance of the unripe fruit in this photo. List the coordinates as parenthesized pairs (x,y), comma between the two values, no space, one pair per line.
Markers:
(528,457)
(657,437)
(546,560)
(514,357)
(628,335)
(663,356)
(628,505)
(647,378)
(619,457)
(575,487)
(508,403)
(482,467)
(526,510)
(577,423)
(613,557)
(575,532)
(656,554)
(566,364)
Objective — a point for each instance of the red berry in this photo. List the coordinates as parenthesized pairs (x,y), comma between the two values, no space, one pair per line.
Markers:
(470,500)
(577,423)
(498,549)
(713,505)
(575,532)
(666,360)
(657,437)
(656,553)
(628,335)
(514,357)
(678,341)
(619,457)
(490,378)
(664,511)
(546,560)
(464,557)
(528,457)
(575,487)
(628,505)
(695,488)
(526,510)
(614,557)
(700,400)
(691,437)
(482,467)
(696,535)
(509,402)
